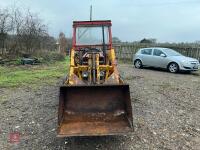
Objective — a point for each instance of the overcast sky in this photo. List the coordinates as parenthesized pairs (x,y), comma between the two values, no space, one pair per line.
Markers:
(165,20)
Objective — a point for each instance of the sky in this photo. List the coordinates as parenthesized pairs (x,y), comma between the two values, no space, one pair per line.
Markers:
(133,20)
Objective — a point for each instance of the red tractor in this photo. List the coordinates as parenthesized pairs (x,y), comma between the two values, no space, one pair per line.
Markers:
(94,100)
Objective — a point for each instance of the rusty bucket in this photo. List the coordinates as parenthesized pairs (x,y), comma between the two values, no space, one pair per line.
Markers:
(94,110)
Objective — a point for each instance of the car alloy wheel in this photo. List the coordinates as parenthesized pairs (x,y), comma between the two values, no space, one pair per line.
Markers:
(138,64)
(173,67)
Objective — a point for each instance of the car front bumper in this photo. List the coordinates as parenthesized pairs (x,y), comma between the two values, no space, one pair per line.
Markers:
(190,67)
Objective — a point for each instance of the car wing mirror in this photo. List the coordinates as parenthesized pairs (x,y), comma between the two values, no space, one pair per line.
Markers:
(163,55)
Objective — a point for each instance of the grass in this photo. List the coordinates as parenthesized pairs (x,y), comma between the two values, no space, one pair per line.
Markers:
(124,61)
(32,76)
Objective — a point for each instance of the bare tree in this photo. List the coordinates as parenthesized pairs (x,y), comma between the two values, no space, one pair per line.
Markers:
(31,31)
(62,43)
(13,45)
(23,32)
(5,27)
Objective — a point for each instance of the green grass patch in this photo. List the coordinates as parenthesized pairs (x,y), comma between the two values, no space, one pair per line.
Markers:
(124,61)
(31,76)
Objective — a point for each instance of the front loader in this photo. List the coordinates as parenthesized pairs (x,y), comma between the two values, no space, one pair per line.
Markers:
(94,101)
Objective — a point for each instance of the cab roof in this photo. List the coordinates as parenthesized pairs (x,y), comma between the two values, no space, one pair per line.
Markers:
(92,23)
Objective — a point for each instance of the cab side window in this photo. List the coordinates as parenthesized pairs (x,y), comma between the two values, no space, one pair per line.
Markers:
(146,51)
(157,52)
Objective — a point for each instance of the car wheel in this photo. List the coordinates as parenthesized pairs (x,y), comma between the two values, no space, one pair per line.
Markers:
(138,64)
(173,67)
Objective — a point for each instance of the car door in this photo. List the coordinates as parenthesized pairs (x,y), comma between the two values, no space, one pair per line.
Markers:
(146,56)
(160,59)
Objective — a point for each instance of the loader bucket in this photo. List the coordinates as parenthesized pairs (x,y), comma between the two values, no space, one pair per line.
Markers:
(94,110)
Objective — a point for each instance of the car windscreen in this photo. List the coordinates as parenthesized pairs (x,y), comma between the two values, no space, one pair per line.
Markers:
(92,35)
(171,52)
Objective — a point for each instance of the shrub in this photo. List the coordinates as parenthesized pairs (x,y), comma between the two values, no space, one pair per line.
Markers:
(50,57)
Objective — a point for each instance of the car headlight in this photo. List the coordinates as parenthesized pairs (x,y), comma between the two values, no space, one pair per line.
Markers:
(184,61)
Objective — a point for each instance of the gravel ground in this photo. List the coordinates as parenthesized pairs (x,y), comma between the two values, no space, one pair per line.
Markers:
(166,111)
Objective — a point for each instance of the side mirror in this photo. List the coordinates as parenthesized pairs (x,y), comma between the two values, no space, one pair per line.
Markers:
(163,55)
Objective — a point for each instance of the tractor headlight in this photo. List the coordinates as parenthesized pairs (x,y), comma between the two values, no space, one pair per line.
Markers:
(84,74)
(102,73)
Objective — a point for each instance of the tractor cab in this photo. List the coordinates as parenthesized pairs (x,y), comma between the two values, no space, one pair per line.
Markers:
(92,34)
(91,37)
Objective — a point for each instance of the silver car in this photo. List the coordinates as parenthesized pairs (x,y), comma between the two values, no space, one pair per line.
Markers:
(164,58)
